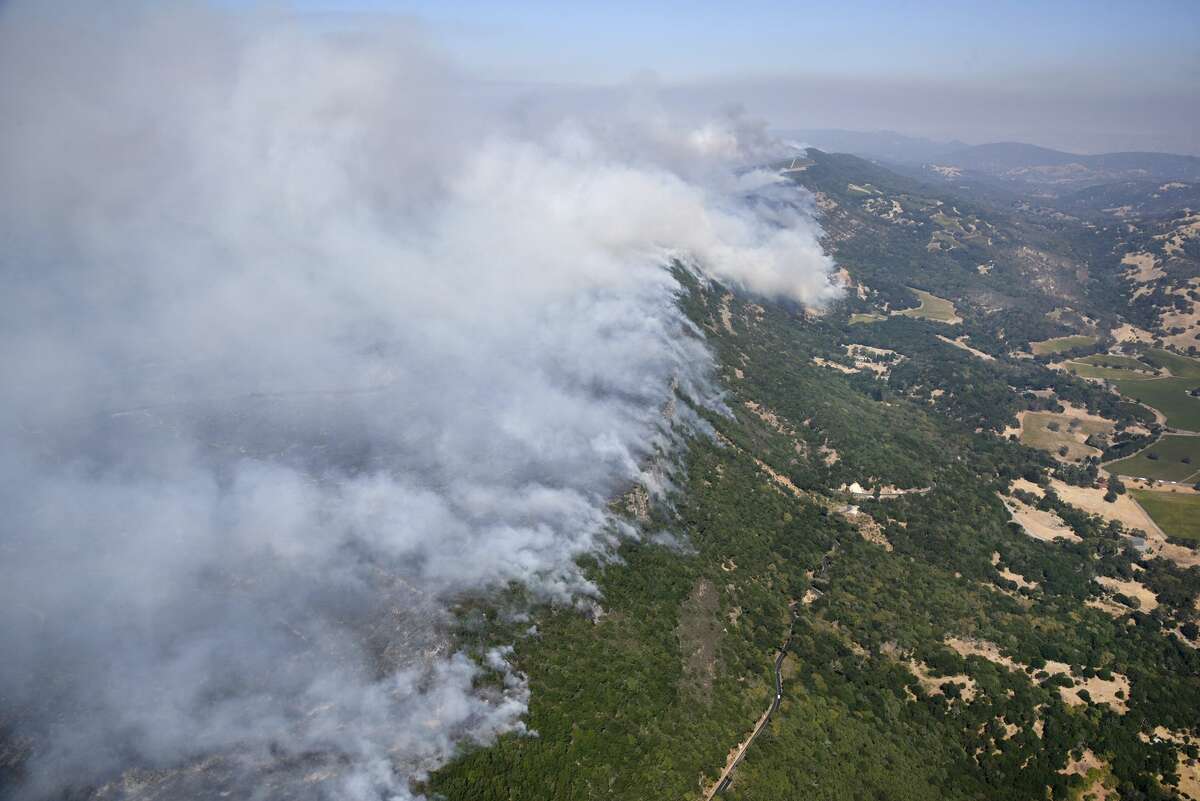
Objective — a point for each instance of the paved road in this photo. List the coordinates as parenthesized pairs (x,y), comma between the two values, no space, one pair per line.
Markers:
(727,774)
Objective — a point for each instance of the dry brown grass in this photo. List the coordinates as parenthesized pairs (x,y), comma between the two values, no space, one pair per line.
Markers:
(1131,333)
(1018,579)
(1096,771)
(726,314)
(961,342)
(769,417)
(1143,267)
(1187,768)
(1074,424)
(867,526)
(932,685)
(1124,509)
(1041,525)
(1147,600)
(1103,691)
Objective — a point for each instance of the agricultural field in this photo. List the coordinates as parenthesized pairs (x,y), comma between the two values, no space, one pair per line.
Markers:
(1062,344)
(1092,370)
(1172,458)
(1176,513)
(1179,366)
(1168,395)
(1109,367)
(932,308)
(1116,362)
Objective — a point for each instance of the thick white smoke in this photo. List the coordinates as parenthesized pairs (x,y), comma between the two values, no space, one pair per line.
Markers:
(297,347)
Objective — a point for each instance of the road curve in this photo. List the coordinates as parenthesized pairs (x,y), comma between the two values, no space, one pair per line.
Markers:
(727,774)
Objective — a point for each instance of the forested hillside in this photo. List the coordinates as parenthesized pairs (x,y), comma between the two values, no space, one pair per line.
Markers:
(964,626)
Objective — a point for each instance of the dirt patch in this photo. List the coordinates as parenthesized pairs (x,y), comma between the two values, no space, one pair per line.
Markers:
(867,526)
(1107,607)
(877,360)
(1096,774)
(932,685)
(699,632)
(1124,509)
(1101,691)
(1173,242)
(1039,524)
(781,480)
(1187,768)
(1146,599)
(841,368)
(1131,333)
(1018,579)
(884,491)
(726,314)
(1028,486)
(637,503)
(843,279)
(1143,268)
(961,342)
(769,417)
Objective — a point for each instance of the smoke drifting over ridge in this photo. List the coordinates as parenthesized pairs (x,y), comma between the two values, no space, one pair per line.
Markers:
(298,346)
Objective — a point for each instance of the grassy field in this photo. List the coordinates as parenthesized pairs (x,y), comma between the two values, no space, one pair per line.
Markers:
(866,318)
(1060,344)
(1114,362)
(1177,514)
(1092,370)
(1169,466)
(1179,366)
(932,308)
(1169,396)
(1109,367)
(1035,432)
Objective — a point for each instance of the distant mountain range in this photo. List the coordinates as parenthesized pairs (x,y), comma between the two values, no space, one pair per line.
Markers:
(1041,164)
(1138,180)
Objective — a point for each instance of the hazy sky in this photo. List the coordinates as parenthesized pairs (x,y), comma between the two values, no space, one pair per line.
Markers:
(1082,75)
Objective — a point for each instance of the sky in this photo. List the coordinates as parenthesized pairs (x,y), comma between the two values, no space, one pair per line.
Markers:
(1087,76)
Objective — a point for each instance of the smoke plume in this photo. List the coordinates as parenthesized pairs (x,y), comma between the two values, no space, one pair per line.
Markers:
(300,343)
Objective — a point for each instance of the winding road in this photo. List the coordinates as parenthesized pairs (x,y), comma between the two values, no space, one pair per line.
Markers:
(727,774)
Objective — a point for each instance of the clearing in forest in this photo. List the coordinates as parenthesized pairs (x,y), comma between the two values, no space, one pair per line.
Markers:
(1146,599)
(1061,344)
(1052,431)
(932,307)
(1039,524)
(1125,509)
(1111,688)
(961,342)
(869,317)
